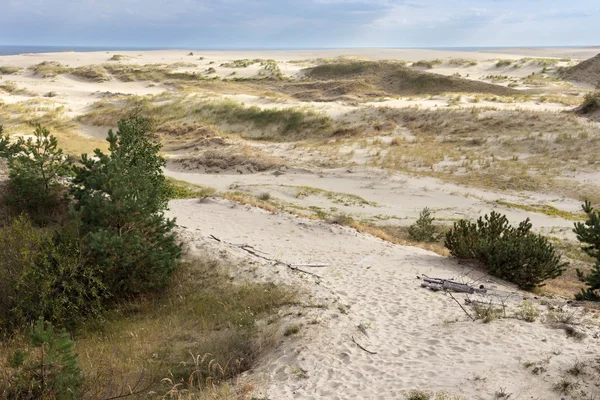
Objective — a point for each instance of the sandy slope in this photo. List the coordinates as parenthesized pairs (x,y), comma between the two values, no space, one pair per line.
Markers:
(422,339)
(397,197)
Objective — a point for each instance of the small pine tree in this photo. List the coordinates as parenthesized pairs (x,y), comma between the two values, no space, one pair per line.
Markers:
(121,198)
(423,230)
(589,233)
(514,254)
(37,167)
(49,371)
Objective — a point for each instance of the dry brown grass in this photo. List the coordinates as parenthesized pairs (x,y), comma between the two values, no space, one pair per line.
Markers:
(22,118)
(202,332)
(396,79)
(506,150)
(11,87)
(225,115)
(242,160)
(9,70)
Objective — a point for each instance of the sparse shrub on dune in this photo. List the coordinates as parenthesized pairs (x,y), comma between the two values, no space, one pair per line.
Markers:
(9,70)
(590,106)
(423,230)
(49,69)
(588,233)
(504,63)
(515,254)
(117,57)
(95,73)
(462,62)
(428,64)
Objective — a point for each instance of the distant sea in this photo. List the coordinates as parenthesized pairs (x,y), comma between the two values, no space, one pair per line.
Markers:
(8,50)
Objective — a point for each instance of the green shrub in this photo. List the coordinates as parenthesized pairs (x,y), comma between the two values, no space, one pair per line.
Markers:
(49,370)
(527,312)
(60,286)
(589,234)
(514,254)
(44,275)
(423,230)
(20,244)
(37,169)
(591,103)
(121,198)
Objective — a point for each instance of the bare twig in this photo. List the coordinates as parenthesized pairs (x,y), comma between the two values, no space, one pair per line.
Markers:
(460,305)
(251,250)
(362,348)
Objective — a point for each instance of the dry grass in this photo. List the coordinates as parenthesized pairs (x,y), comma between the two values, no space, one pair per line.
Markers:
(507,150)
(94,73)
(242,160)
(184,190)
(203,331)
(395,79)
(226,115)
(22,118)
(545,209)
(49,69)
(12,88)
(9,70)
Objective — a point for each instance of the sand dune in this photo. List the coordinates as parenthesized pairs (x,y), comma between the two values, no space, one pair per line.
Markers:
(422,339)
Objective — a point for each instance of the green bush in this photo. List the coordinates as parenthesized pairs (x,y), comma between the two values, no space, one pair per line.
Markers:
(423,230)
(45,275)
(61,285)
(20,243)
(589,233)
(514,254)
(121,198)
(48,371)
(37,169)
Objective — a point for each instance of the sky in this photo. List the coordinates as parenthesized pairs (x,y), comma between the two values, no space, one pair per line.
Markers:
(300,23)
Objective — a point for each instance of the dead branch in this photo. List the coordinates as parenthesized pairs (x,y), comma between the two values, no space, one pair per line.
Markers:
(251,250)
(362,348)
(460,305)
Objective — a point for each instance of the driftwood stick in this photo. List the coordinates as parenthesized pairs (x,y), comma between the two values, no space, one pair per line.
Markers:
(362,348)
(451,285)
(310,265)
(251,250)
(460,305)
(433,286)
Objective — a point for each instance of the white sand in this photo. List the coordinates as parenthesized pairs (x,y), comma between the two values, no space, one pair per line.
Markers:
(422,339)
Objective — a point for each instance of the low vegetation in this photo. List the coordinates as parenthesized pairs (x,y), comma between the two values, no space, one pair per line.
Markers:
(108,266)
(590,107)
(8,70)
(428,64)
(588,233)
(250,122)
(587,71)
(424,230)
(514,254)
(392,78)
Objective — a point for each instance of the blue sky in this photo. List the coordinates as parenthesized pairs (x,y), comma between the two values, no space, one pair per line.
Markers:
(300,23)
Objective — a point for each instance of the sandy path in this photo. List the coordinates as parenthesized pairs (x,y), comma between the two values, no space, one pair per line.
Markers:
(422,339)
